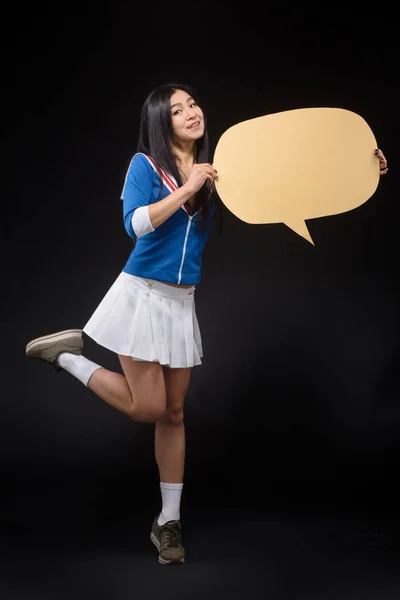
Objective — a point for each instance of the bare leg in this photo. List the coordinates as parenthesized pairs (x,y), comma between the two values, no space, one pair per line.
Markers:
(139,393)
(170,429)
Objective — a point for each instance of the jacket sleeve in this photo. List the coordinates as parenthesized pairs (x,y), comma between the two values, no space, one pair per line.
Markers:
(137,193)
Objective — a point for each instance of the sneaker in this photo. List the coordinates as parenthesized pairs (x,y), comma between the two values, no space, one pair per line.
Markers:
(48,347)
(168,541)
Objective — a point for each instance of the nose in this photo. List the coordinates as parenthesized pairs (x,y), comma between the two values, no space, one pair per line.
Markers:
(191,113)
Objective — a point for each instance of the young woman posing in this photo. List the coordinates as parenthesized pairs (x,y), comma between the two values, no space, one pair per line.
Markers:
(148,315)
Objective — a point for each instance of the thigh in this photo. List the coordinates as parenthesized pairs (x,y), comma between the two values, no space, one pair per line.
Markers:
(176,385)
(145,381)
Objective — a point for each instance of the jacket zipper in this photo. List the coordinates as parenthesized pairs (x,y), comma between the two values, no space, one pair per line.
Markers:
(184,246)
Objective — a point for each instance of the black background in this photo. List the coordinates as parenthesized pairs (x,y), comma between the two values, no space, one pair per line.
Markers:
(296,407)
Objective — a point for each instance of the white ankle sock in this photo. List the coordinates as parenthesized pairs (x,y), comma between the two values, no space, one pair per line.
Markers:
(80,367)
(171,501)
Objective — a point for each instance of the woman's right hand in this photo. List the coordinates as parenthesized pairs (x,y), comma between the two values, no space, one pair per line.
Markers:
(201,172)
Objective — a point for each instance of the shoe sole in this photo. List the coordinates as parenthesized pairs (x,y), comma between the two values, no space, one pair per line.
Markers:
(69,339)
(173,561)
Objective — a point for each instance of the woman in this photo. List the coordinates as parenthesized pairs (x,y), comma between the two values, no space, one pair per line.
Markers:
(148,316)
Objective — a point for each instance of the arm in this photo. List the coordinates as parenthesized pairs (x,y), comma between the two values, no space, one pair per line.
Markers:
(140,215)
(137,194)
(163,209)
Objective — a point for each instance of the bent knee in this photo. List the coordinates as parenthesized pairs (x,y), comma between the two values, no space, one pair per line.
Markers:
(173,416)
(147,408)
(146,414)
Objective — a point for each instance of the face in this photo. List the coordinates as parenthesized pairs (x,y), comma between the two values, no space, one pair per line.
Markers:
(187,117)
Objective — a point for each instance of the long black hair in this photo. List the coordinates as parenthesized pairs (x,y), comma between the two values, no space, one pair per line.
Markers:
(155,134)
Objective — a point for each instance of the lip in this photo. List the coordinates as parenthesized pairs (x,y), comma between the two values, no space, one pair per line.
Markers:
(195,125)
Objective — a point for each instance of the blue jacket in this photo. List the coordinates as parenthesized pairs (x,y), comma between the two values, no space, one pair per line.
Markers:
(173,251)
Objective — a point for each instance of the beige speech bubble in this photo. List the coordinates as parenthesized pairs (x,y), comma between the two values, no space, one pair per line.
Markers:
(296,165)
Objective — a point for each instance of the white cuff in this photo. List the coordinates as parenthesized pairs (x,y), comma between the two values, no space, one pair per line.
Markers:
(141,221)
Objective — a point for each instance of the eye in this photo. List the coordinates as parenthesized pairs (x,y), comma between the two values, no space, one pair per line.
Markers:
(176,112)
(193,104)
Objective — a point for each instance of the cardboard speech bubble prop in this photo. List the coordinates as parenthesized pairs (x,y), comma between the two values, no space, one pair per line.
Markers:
(295,165)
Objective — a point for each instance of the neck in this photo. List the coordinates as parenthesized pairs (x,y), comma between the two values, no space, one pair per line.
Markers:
(184,154)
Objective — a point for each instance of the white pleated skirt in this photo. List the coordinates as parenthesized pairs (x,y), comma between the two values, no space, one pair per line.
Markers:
(148,321)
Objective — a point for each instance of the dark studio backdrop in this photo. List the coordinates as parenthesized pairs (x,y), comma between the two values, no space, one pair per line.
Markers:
(296,406)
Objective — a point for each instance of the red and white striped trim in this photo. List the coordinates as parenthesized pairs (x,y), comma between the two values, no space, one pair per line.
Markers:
(168,181)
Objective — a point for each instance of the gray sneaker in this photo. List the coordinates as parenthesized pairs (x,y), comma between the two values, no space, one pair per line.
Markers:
(168,541)
(48,347)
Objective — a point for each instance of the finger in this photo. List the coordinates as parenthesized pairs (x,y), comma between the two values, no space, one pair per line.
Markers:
(210,173)
(383,168)
(380,155)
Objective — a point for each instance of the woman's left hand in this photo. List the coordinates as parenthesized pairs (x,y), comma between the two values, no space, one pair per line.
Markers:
(383,168)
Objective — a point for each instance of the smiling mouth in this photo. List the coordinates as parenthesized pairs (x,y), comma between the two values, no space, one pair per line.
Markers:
(196,124)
